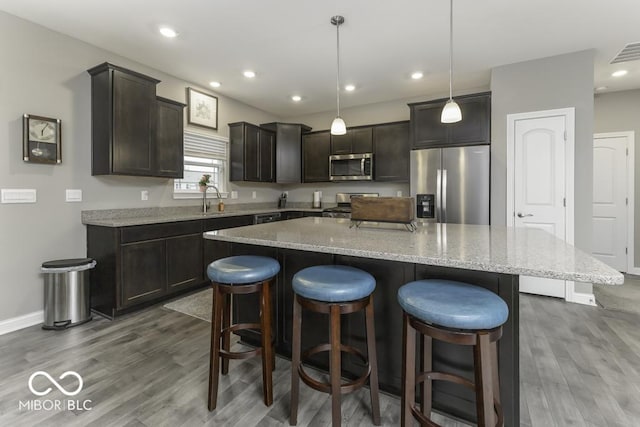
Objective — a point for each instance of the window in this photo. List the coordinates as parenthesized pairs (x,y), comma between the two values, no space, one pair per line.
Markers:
(203,154)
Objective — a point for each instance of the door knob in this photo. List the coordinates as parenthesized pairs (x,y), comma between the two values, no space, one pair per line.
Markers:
(521,215)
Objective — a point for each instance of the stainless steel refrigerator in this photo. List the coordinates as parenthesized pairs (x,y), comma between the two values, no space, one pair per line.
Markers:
(451,185)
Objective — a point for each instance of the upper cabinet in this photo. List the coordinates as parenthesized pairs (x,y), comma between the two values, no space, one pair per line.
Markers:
(316,148)
(475,128)
(356,141)
(288,150)
(391,152)
(251,152)
(126,121)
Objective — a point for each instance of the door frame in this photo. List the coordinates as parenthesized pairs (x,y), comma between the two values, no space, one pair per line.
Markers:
(569,170)
(630,135)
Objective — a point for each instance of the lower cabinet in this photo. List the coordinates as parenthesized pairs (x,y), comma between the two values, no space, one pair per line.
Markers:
(144,267)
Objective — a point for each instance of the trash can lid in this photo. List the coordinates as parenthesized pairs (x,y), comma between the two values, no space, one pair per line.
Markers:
(62,263)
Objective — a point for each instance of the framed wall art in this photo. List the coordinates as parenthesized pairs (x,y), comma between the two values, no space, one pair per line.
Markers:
(202,109)
(41,139)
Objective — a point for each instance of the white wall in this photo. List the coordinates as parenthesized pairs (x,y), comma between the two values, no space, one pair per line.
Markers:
(616,112)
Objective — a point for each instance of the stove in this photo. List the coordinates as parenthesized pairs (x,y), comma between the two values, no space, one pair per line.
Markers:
(343,210)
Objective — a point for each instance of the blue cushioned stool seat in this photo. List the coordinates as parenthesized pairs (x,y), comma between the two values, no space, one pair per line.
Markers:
(333,283)
(453,304)
(242,269)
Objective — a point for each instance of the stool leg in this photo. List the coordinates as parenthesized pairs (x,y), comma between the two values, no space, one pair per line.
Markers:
(408,371)
(335,364)
(214,362)
(295,360)
(267,356)
(426,365)
(373,362)
(495,371)
(484,379)
(226,335)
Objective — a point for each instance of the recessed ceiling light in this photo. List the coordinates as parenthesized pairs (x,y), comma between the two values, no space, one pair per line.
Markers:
(296,98)
(168,32)
(249,74)
(601,88)
(214,84)
(417,75)
(619,73)
(350,88)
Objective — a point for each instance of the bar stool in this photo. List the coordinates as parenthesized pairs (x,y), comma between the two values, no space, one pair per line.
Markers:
(234,275)
(456,313)
(334,290)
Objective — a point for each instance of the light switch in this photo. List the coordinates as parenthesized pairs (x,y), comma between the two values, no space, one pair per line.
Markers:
(399,193)
(144,195)
(253,194)
(234,194)
(18,195)
(73,195)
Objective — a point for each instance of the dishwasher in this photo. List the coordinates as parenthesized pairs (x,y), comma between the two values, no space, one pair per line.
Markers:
(267,217)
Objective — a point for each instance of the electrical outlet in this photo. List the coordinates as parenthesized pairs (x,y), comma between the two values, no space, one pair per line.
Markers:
(234,194)
(253,194)
(144,195)
(399,193)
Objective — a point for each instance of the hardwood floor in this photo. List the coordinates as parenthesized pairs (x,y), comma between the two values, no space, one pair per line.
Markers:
(579,366)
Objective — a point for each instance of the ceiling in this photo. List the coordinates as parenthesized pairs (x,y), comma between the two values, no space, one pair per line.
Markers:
(291,45)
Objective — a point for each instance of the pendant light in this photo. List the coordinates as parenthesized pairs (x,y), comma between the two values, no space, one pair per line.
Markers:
(338,127)
(451,112)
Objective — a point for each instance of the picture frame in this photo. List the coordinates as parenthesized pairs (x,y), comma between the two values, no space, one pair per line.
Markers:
(202,109)
(41,139)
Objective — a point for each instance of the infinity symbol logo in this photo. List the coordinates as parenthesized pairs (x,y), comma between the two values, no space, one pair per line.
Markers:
(55,383)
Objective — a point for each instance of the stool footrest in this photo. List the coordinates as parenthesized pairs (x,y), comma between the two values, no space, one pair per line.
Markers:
(326,387)
(443,376)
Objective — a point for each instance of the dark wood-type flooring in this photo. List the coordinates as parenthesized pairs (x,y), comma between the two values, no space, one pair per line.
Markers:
(579,366)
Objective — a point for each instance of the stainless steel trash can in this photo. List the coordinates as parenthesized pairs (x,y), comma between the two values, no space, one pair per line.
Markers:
(66,292)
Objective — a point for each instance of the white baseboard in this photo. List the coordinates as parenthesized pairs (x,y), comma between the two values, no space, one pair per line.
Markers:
(582,298)
(20,322)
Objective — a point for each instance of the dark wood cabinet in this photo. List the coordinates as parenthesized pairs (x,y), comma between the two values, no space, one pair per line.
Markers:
(143,272)
(316,148)
(475,128)
(251,152)
(183,261)
(127,119)
(288,151)
(356,141)
(169,146)
(391,152)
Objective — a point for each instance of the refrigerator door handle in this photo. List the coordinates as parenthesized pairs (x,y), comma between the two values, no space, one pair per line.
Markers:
(444,195)
(438,194)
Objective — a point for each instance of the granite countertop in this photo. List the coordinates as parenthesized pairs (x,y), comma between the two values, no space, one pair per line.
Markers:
(155,215)
(521,251)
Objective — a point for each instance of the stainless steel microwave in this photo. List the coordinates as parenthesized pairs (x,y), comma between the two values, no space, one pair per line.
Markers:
(351,167)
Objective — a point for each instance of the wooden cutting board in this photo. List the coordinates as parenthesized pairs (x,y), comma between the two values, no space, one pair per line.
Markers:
(383,209)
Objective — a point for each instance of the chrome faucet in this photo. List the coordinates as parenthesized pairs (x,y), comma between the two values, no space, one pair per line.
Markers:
(205,207)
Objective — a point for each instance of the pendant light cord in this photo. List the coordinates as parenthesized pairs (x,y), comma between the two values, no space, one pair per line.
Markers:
(338,66)
(450,50)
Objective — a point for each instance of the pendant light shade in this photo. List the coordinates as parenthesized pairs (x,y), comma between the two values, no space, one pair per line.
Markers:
(451,112)
(338,127)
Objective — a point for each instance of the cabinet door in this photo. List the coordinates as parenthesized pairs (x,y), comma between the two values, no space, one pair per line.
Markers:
(361,140)
(341,144)
(391,152)
(267,155)
(426,128)
(316,149)
(143,272)
(169,139)
(133,122)
(251,153)
(184,261)
(236,152)
(475,125)
(288,153)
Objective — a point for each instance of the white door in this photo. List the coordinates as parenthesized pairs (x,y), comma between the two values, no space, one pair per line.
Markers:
(539,187)
(610,200)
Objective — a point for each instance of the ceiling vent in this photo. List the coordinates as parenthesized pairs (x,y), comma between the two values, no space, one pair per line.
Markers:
(630,52)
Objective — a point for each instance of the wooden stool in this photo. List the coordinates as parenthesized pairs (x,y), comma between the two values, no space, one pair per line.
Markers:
(334,290)
(240,275)
(456,313)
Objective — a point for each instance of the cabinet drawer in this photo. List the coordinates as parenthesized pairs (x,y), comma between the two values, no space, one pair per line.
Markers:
(159,231)
(228,222)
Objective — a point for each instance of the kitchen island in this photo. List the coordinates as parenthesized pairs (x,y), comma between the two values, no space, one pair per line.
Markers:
(488,256)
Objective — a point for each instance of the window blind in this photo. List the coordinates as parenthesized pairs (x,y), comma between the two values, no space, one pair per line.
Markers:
(210,146)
